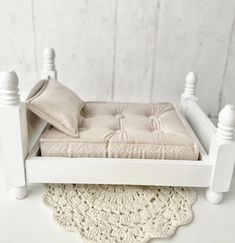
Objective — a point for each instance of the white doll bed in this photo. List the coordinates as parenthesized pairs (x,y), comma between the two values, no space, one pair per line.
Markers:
(20,148)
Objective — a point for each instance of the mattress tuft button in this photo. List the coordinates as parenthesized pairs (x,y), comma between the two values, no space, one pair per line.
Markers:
(119,116)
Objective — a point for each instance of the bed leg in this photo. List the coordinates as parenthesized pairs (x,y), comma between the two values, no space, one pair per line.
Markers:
(222,154)
(19,192)
(214,197)
(14,134)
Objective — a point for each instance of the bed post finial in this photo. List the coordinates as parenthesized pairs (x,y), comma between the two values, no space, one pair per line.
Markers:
(226,123)
(9,88)
(222,153)
(190,85)
(189,90)
(49,64)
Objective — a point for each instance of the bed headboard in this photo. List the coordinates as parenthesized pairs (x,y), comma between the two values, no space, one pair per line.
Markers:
(12,107)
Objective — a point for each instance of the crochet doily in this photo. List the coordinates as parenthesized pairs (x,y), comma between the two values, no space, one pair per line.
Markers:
(105,213)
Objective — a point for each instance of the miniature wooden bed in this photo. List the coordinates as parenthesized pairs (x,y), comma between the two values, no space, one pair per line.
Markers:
(20,133)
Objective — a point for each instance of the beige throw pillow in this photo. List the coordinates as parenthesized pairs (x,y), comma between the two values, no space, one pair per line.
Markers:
(57,105)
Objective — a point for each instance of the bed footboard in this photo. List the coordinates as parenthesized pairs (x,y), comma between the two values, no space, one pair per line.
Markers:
(218,142)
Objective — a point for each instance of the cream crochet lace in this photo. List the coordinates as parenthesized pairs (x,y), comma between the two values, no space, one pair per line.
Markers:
(131,214)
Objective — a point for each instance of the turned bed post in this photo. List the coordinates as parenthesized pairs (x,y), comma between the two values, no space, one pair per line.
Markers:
(14,134)
(222,154)
(189,90)
(48,70)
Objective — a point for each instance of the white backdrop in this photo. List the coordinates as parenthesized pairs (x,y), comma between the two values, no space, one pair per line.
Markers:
(124,50)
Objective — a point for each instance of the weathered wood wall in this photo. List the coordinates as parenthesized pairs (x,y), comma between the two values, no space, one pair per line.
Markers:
(125,50)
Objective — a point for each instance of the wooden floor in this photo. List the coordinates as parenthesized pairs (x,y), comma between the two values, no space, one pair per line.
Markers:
(30,220)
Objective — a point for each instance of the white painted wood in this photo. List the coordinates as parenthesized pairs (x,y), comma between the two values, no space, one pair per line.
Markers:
(135,50)
(199,122)
(214,197)
(189,88)
(82,33)
(107,171)
(222,151)
(14,137)
(226,124)
(48,70)
(19,192)
(117,171)
(9,89)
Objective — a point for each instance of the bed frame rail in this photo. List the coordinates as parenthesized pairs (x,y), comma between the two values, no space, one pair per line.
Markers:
(118,171)
(203,128)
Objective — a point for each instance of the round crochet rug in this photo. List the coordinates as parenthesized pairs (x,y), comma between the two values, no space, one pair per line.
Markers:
(131,214)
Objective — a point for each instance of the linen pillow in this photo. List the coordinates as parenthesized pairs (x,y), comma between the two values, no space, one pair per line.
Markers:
(57,105)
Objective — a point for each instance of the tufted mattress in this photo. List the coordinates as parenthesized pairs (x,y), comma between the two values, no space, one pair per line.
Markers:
(119,130)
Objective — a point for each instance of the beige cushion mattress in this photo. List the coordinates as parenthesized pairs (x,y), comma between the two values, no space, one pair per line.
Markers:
(118,130)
